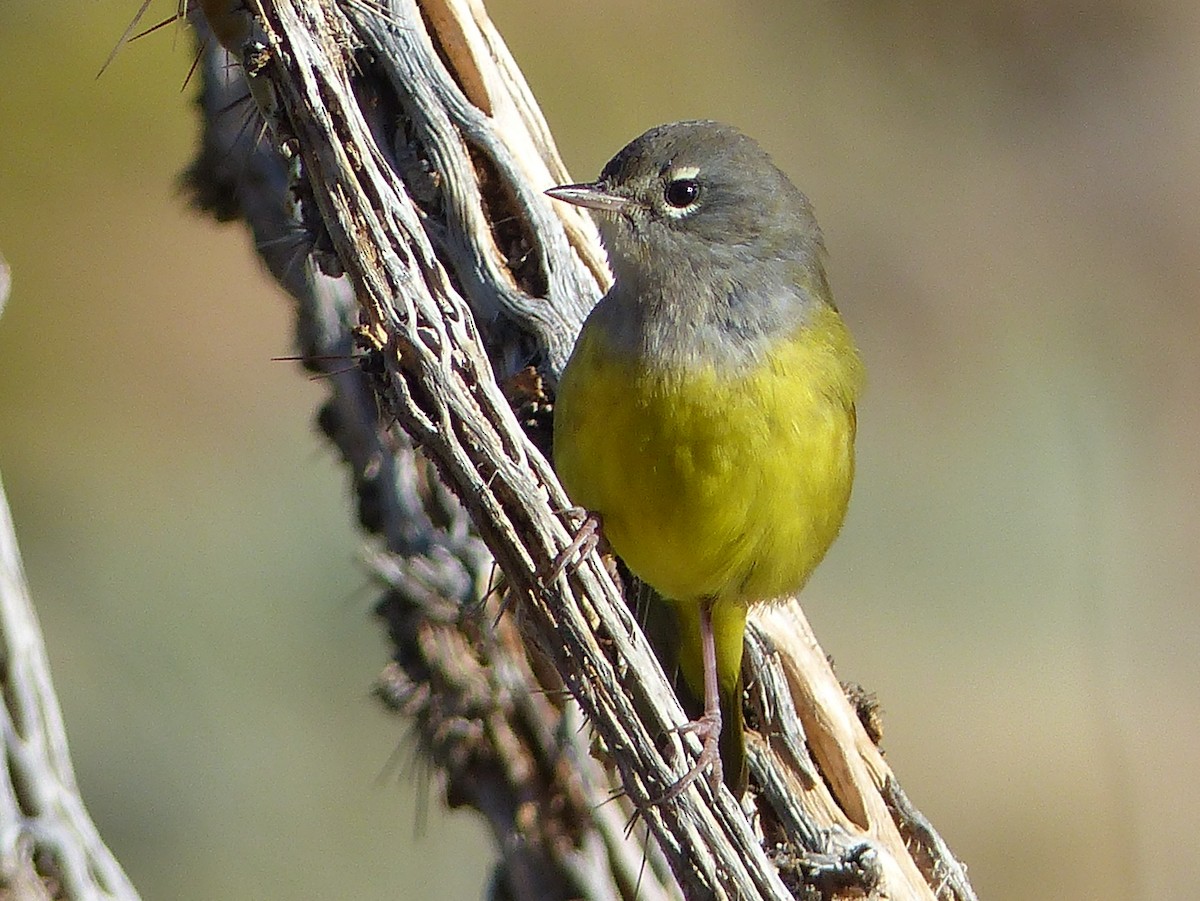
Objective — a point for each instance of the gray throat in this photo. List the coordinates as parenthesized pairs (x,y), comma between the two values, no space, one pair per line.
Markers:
(727,316)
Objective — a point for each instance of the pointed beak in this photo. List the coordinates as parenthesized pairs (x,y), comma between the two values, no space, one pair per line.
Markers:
(592,196)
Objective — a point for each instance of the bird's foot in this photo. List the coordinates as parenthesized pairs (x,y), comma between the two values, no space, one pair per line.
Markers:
(708,730)
(587,539)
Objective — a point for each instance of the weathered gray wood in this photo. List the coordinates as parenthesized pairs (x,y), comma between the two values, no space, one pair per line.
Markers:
(49,846)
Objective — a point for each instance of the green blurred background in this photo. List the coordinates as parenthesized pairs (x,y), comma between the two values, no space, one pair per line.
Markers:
(1009,193)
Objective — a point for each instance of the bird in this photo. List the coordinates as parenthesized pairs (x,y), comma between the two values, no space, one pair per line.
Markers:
(706,416)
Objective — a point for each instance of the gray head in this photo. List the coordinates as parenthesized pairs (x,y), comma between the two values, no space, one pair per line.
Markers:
(715,253)
(698,191)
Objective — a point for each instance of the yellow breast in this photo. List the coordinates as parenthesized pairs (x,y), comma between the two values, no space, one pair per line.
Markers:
(714,485)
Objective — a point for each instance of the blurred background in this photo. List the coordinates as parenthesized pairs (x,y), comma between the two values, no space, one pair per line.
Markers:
(1009,192)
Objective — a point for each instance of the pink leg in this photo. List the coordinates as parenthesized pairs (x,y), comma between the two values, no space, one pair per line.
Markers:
(708,727)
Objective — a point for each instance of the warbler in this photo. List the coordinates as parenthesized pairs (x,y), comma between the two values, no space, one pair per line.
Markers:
(706,416)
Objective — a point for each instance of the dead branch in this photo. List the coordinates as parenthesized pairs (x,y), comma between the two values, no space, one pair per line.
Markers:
(49,846)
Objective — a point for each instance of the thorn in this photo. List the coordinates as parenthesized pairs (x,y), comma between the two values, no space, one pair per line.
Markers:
(125,36)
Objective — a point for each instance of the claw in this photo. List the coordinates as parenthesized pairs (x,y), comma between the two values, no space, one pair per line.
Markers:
(587,539)
(708,730)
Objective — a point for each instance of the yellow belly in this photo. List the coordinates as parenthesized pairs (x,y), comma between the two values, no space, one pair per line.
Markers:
(710,485)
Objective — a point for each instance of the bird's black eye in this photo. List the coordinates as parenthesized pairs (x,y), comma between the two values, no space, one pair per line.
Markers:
(682,192)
